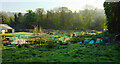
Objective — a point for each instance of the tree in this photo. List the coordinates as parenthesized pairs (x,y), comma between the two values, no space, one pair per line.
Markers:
(99,23)
(88,18)
(59,18)
(16,18)
(40,16)
(19,17)
(63,14)
(30,19)
(11,20)
(113,16)
(5,19)
(50,16)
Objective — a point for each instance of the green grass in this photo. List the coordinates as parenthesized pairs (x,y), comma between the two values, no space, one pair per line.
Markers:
(15,34)
(62,53)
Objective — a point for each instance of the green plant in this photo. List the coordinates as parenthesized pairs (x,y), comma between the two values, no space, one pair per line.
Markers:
(19,46)
(50,44)
(77,39)
(26,45)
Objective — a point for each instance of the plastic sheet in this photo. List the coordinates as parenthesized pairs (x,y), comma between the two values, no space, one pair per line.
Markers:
(92,42)
(20,37)
(99,40)
(13,38)
(64,37)
(79,42)
(86,40)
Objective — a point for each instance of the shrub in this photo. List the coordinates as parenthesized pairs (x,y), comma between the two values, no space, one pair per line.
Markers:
(50,44)
(4,39)
(26,45)
(42,41)
(7,42)
(19,46)
(77,39)
(68,34)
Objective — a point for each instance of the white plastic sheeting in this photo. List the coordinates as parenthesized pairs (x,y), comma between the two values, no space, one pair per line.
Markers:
(19,41)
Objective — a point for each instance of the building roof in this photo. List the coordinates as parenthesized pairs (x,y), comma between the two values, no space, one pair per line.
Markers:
(5,26)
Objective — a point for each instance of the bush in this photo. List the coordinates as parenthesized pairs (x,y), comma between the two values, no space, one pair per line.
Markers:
(77,39)
(6,42)
(4,39)
(50,44)
(19,46)
(68,34)
(42,41)
(26,45)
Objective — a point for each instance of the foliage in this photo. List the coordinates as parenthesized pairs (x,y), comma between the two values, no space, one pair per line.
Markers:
(77,39)
(30,20)
(5,19)
(113,16)
(59,18)
(50,44)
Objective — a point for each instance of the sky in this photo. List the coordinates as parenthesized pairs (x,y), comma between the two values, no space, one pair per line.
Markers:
(24,5)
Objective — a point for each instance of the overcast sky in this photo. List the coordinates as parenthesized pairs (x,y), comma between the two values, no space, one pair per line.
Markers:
(23,5)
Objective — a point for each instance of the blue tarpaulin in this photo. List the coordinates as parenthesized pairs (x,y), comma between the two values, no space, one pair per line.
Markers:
(91,42)
(99,40)
(79,42)
(16,38)
(13,38)
(62,38)
(86,40)
(19,37)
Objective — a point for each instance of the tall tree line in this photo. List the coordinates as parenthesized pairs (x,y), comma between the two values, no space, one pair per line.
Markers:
(57,18)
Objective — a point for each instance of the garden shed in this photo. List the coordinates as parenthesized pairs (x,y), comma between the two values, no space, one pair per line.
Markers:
(4,28)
